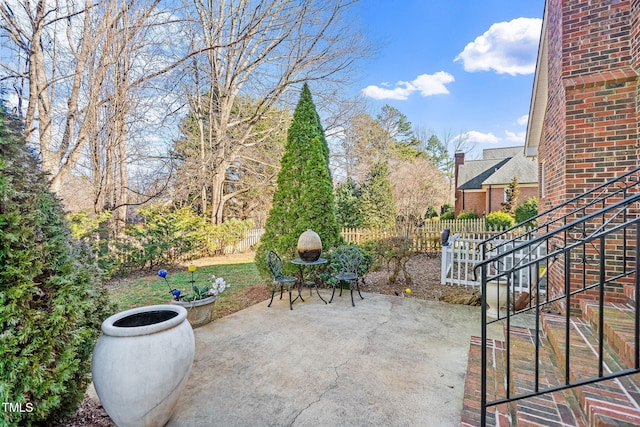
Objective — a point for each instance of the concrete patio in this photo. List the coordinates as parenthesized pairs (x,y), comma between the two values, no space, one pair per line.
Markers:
(389,361)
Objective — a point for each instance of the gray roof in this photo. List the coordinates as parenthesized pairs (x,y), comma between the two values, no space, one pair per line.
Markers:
(474,172)
(501,153)
(498,167)
(526,169)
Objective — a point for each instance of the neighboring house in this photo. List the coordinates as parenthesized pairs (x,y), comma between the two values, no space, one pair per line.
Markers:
(481,184)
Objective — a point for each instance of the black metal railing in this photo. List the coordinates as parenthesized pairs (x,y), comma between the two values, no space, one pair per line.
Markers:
(574,208)
(591,243)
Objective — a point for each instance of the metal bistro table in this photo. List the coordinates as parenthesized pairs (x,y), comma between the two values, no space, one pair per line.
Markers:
(303,264)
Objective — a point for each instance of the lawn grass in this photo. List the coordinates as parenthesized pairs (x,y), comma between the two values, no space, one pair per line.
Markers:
(152,289)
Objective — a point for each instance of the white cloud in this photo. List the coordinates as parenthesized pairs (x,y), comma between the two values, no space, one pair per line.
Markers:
(400,93)
(523,120)
(518,137)
(426,84)
(475,137)
(507,47)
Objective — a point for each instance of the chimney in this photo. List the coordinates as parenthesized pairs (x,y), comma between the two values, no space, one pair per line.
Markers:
(458,160)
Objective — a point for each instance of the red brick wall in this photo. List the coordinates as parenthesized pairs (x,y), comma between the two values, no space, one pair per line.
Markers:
(552,146)
(496,194)
(526,192)
(600,85)
(590,131)
(473,201)
(635,34)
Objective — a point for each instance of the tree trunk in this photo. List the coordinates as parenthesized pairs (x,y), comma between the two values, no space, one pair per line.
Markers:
(217,196)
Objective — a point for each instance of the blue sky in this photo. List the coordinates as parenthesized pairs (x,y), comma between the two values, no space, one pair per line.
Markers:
(454,66)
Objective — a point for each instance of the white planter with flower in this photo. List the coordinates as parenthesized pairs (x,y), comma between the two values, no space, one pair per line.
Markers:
(200,303)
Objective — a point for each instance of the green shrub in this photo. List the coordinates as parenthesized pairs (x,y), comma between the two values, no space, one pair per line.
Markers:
(394,253)
(84,226)
(527,209)
(51,300)
(468,215)
(165,237)
(327,274)
(431,213)
(348,204)
(497,221)
(448,215)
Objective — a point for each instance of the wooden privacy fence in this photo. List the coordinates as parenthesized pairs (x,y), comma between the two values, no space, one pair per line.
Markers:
(426,238)
(455,225)
(247,243)
(462,253)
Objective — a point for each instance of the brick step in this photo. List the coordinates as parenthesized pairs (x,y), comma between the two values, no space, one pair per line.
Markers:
(619,328)
(497,415)
(630,293)
(607,403)
(551,409)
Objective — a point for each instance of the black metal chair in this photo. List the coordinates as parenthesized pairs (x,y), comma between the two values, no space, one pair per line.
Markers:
(349,259)
(275,265)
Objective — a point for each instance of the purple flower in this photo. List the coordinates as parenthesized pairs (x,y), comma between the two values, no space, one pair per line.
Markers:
(162,273)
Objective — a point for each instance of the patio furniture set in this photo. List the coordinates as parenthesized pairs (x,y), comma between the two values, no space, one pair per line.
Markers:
(349,259)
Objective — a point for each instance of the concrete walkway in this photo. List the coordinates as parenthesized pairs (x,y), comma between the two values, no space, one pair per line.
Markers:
(389,361)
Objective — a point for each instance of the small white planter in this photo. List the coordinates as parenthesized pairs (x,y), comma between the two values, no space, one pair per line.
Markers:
(141,363)
(199,312)
(496,298)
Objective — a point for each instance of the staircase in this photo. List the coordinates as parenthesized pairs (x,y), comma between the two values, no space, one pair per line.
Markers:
(570,354)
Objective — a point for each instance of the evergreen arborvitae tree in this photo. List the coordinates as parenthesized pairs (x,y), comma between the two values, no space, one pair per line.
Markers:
(348,211)
(512,193)
(304,196)
(378,207)
(51,300)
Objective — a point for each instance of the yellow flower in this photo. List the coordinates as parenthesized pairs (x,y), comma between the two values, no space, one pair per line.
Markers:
(408,290)
(192,268)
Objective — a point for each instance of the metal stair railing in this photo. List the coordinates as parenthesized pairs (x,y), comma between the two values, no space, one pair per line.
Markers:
(616,225)
(621,187)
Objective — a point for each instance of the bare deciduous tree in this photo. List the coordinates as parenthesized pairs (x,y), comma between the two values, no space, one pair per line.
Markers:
(271,47)
(416,185)
(83,67)
(365,143)
(92,75)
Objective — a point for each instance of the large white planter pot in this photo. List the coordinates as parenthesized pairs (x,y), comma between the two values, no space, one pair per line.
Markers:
(496,298)
(199,312)
(141,363)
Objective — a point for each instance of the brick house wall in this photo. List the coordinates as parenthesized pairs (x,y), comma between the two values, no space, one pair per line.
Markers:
(489,200)
(472,200)
(495,196)
(590,132)
(551,152)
